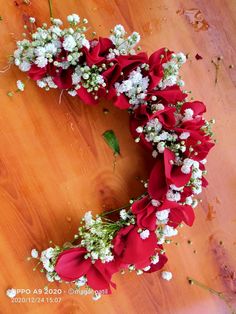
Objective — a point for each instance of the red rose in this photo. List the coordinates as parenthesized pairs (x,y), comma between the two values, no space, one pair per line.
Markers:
(162,260)
(71,265)
(170,95)
(178,213)
(146,218)
(121,102)
(131,62)
(200,144)
(140,117)
(173,173)
(97,52)
(163,174)
(111,76)
(155,62)
(63,77)
(197,139)
(36,73)
(86,97)
(145,213)
(122,66)
(157,185)
(130,248)
(198,107)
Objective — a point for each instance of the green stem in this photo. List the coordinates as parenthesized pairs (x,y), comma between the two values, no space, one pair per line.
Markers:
(50,8)
(114,162)
(122,207)
(214,292)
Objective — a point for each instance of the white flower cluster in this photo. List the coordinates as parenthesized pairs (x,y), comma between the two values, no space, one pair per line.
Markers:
(88,77)
(123,45)
(53,48)
(193,166)
(46,83)
(97,235)
(46,43)
(171,71)
(163,230)
(48,259)
(188,166)
(159,137)
(135,87)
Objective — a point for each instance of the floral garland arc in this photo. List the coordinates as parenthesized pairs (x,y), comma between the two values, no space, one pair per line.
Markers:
(162,119)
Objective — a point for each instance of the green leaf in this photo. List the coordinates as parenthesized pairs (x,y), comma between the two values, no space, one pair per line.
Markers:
(112,141)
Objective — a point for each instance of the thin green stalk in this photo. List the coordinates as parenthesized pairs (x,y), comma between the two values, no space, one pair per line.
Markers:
(50,8)
(123,207)
(219,294)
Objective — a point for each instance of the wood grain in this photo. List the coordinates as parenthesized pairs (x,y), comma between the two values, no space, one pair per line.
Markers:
(54,164)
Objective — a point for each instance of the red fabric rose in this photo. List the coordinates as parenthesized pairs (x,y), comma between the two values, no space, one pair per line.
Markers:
(162,261)
(155,62)
(171,94)
(111,76)
(86,97)
(198,140)
(200,144)
(122,66)
(129,248)
(163,174)
(173,173)
(71,265)
(121,102)
(198,107)
(155,267)
(36,73)
(157,185)
(131,62)
(178,213)
(63,77)
(97,52)
(145,213)
(140,117)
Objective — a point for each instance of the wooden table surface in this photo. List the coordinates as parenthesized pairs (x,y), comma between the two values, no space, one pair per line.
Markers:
(54,164)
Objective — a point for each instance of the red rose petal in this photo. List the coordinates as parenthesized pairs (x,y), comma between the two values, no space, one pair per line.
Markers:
(71,264)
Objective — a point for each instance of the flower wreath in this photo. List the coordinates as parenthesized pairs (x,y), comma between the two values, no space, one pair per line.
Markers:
(162,119)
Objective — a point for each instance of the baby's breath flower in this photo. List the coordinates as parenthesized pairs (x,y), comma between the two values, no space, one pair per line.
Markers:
(166,275)
(81,281)
(144,234)
(20,85)
(11,293)
(123,214)
(32,20)
(34,253)
(96,296)
(57,22)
